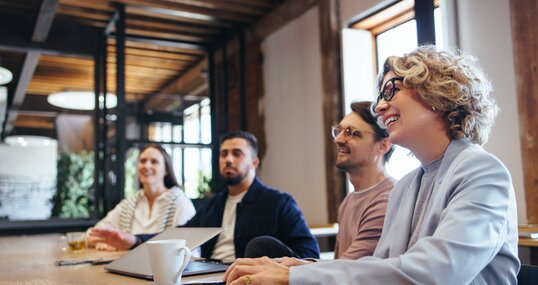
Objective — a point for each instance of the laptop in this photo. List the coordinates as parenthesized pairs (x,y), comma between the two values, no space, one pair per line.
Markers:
(136,263)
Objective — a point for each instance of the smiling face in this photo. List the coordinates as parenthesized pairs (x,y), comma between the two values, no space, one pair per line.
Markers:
(407,117)
(237,160)
(357,151)
(151,167)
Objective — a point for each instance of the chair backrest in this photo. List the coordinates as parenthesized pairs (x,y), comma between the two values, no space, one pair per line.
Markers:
(528,275)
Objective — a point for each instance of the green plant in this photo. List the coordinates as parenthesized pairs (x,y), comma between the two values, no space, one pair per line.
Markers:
(204,184)
(131,174)
(74,186)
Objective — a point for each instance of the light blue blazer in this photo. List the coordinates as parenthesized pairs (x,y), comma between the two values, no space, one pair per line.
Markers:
(468,236)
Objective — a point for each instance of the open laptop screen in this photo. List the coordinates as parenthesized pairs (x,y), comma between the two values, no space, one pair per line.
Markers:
(136,261)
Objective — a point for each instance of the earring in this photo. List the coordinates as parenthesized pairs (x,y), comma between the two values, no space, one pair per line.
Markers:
(434,109)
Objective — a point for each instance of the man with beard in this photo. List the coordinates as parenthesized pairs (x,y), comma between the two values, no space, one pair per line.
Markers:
(247,208)
(363,149)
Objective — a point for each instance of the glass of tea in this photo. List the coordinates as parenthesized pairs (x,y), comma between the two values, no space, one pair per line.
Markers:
(76,241)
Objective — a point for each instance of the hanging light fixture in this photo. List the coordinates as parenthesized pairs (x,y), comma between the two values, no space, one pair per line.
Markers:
(31,141)
(80,100)
(5,76)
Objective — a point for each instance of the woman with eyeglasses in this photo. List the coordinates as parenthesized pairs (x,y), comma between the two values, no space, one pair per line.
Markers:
(452,220)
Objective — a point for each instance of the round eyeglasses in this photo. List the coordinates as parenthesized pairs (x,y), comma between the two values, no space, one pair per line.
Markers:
(348,132)
(388,91)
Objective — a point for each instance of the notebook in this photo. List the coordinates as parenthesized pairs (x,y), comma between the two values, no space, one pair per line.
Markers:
(135,263)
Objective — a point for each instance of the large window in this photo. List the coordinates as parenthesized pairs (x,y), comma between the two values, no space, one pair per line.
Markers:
(189,146)
(390,31)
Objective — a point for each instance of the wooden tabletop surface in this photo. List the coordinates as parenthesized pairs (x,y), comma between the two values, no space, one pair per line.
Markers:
(31,260)
(523,241)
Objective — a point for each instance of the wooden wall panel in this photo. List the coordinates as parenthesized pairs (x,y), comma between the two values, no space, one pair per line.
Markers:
(330,37)
(525,39)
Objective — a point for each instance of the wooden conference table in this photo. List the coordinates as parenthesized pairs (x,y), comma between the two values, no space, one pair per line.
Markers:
(532,244)
(31,260)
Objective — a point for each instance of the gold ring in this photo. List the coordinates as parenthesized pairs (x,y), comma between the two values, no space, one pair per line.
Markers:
(247,279)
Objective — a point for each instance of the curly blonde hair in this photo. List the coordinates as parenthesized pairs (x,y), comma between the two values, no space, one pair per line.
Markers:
(451,83)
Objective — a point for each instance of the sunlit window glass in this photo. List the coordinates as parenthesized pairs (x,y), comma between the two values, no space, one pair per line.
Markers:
(206,121)
(439,40)
(396,41)
(176,133)
(177,158)
(192,124)
(192,171)
(166,132)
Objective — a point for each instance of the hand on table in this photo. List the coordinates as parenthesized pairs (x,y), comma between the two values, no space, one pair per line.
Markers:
(254,271)
(112,237)
(292,261)
(104,247)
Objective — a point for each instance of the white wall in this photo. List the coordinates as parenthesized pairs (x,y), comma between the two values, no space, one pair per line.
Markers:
(490,41)
(295,158)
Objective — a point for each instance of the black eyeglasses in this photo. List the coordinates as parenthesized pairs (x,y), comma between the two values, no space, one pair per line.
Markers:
(389,90)
(348,132)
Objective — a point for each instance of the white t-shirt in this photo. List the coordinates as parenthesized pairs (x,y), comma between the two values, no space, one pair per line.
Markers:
(224,248)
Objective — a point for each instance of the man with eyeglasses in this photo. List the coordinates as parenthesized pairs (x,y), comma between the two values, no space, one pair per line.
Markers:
(363,149)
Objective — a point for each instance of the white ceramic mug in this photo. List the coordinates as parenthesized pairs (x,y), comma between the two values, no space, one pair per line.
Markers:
(168,258)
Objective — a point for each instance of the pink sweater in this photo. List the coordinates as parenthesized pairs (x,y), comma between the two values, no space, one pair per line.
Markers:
(360,219)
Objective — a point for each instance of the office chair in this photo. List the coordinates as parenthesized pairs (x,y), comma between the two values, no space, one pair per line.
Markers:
(528,275)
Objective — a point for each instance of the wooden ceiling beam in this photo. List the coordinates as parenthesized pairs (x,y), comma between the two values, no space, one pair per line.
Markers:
(188,11)
(280,16)
(34,124)
(223,6)
(35,113)
(179,20)
(160,48)
(73,13)
(164,42)
(157,54)
(145,23)
(47,11)
(67,40)
(169,36)
(177,86)
(267,4)
(27,72)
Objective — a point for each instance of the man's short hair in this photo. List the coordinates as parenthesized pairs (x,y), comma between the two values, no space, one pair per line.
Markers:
(250,138)
(364,110)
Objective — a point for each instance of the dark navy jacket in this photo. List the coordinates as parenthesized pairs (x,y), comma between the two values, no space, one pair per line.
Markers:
(263,211)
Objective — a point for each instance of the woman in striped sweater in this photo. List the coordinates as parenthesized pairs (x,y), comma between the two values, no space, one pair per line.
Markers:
(159,204)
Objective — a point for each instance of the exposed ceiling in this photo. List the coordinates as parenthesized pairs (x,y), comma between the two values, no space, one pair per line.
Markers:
(49,45)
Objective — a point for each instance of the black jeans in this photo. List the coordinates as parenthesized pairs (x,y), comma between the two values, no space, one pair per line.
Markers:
(267,246)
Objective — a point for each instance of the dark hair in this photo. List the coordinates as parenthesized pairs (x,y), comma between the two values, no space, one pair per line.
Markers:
(364,110)
(250,138)
(170,178)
